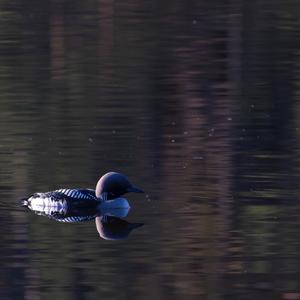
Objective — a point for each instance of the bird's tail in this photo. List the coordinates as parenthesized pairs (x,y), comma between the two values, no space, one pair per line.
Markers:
(24,202)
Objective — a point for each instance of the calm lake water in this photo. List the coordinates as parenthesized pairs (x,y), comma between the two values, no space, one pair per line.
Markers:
(197,102)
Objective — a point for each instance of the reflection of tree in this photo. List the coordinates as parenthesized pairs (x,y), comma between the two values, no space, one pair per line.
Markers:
(197,155)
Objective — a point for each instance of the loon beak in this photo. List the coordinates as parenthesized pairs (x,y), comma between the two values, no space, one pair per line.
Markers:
(134,189)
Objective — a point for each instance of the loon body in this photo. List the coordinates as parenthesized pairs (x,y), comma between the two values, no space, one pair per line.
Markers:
(109,187)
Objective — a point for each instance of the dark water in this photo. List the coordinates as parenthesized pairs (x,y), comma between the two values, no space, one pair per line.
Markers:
(197,102)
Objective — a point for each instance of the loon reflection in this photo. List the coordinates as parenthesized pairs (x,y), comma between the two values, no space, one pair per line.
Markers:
(77,205)
(109,224)
(113,228)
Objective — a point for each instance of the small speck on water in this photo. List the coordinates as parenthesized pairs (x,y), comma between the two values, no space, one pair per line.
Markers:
(194,22)
(173,141)
(90,140)
(197,157)
(229,119)
(113,132)
(211,132)
(185,132)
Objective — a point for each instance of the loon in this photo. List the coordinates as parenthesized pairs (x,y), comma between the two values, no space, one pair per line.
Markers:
(107,194)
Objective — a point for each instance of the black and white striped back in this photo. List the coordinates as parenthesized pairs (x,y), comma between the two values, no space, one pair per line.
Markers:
(75,219)
(80,194)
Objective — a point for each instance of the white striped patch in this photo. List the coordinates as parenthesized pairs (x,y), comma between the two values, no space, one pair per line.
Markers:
(76,194)
(75,219)
(47,205)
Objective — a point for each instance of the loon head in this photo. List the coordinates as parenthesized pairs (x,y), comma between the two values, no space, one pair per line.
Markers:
(115,184)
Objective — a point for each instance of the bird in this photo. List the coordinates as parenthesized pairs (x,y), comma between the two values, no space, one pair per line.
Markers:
(110,187)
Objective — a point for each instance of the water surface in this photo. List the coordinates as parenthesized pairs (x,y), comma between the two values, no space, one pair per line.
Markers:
(197,103)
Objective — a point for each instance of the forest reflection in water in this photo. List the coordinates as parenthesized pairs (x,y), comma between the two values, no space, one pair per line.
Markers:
(199,101)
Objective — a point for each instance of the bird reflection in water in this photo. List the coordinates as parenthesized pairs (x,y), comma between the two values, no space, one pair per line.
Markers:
(109,222)
(113,228)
